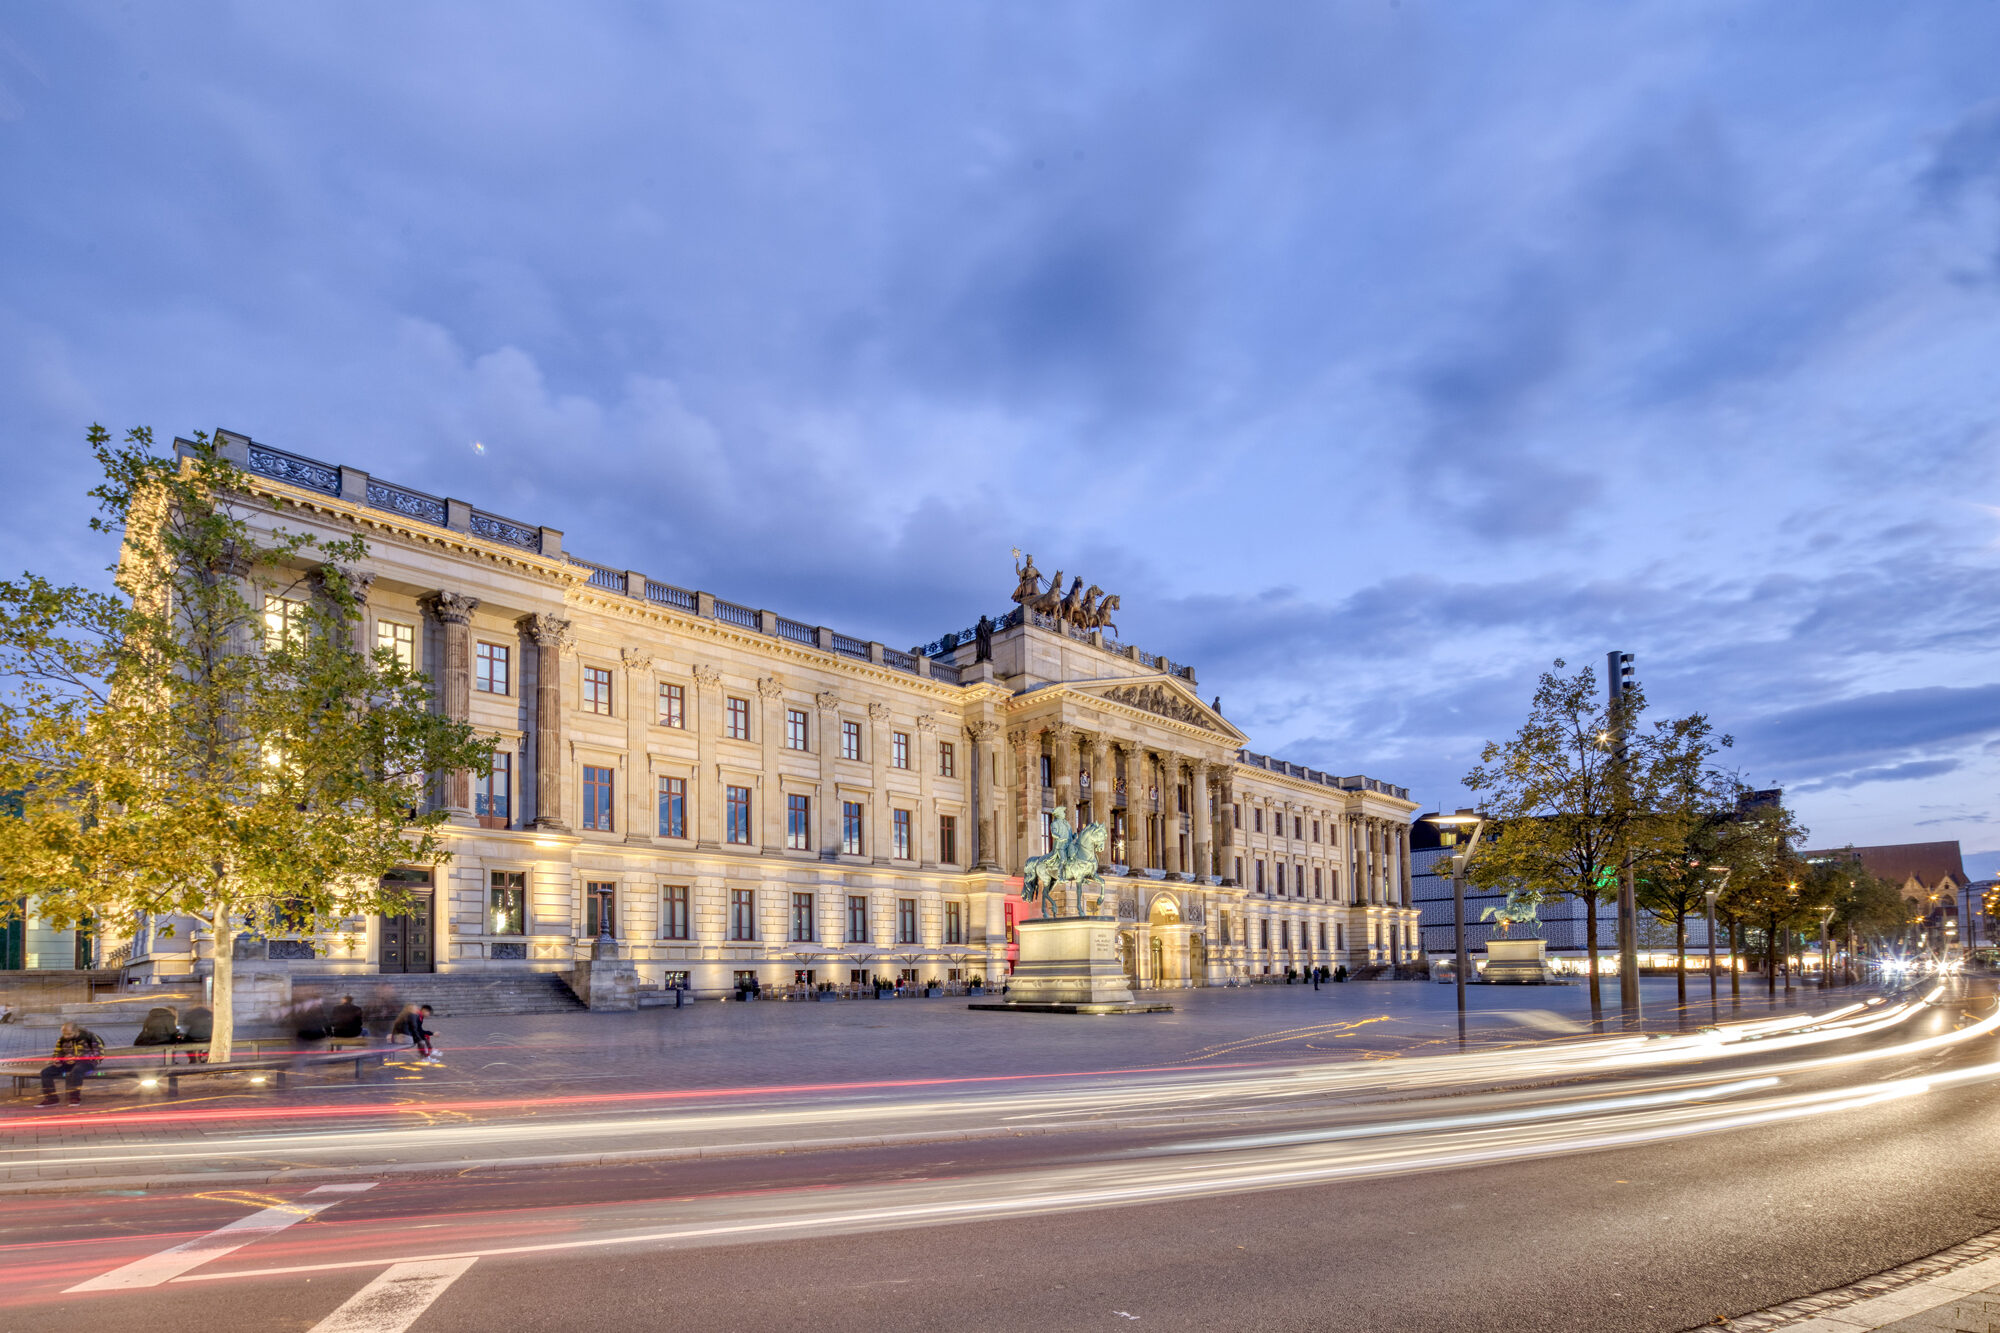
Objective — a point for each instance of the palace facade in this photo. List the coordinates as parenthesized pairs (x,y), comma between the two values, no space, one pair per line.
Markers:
(731,794)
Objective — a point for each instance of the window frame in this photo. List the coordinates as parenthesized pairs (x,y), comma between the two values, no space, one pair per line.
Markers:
(948,839)
(742,915)
(673,705)
(804,929)
(947,759)
(594,691)
(902,836)
(602,820)
(798,730)
(488,656)
(850,740)
(908,924)
(517,885)
(483,788)
(671,794)
(853,828)
(899,749)
(857,918)
(798,822)
(597,894)
(737,818)
(397,643)
(735,718)
(674,914)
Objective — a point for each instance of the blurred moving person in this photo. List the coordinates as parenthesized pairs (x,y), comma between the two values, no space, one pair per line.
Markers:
(161,1028)
(345,1021)
(411,1024)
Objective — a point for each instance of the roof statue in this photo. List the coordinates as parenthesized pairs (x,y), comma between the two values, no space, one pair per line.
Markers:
(1078,608)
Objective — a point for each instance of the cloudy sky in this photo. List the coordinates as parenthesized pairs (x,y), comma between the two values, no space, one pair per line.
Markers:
(1376,353)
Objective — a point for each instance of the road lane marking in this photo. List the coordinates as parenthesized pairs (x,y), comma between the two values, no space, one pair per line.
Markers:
(168,1264)
(394,1300)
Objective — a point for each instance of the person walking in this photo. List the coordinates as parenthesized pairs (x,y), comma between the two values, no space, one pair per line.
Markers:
(77,1052)
(411,1025)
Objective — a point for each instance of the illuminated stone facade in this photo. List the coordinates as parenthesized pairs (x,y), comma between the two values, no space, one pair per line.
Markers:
(740,795)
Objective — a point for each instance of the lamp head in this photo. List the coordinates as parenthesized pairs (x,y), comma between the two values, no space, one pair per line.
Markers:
(1462,819)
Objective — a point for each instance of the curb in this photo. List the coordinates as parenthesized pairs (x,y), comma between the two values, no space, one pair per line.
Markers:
(1894,1294)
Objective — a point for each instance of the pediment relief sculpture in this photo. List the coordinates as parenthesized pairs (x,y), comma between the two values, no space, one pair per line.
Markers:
(1161,700)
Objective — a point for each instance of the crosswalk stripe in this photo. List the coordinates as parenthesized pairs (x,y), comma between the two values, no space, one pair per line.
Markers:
(392,1302)
(168,1264)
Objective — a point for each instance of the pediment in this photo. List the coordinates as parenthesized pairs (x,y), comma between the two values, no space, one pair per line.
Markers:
(1162,696)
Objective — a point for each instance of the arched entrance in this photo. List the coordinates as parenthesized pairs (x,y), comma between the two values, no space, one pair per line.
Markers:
(1168,934)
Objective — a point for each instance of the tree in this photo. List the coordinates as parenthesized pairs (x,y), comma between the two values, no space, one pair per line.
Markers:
(209,740)
(1679,863)
(1770,886)
(1866,906)
(1572,804)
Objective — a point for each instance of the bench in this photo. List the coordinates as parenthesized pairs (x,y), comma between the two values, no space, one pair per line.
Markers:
(128,1062)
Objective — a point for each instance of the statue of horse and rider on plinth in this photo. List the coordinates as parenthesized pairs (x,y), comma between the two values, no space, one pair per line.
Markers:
(1070,863)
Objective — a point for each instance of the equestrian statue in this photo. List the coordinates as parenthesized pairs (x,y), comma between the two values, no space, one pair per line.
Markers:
(1071,862)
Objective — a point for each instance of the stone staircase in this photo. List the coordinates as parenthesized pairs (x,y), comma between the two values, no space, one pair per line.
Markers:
(451,995)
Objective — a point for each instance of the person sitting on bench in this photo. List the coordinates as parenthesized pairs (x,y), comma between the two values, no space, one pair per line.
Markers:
(77,1052)
(161,1028)
(411,1025)
(344,1022)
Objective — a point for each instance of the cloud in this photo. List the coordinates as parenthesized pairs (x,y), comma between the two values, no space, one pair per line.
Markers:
(1909,772)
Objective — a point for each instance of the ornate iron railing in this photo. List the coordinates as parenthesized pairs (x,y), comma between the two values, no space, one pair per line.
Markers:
(900,661)
(506,531)
(601,576)
(731,613)
(404,501)
(850,647)
(666,594)
(797,633)
(281,466)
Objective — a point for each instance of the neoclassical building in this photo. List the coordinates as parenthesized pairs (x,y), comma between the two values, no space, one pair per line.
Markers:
(734,794)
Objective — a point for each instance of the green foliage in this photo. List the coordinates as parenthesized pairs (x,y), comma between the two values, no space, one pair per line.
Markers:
(209,740)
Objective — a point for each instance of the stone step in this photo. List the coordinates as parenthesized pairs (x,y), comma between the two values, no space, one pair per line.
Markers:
(450,996)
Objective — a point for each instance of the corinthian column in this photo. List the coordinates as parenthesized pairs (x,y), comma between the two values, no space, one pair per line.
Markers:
(453,612)
(1198,817)
(986,794)
(1062,760)
(548,633)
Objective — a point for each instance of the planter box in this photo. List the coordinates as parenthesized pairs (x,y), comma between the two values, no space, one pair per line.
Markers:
(934,993)
(826,995)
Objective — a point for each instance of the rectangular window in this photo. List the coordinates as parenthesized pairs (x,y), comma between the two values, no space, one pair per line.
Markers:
(1257,816)
(284,620)
(798,823)
(1322,934)
(1317,887)
(850,829)
(1260,876)
(597,798)
(737,725)
(899,822)
(850,740)
(1284,934)
(1048,832)
(802,917)
(490,668)
(597,690)
(906,920)
(857,919)
(1278,878)
(495,790)
(1299,878)
(1048,770)
(1007,922)
(1263,934)
(1315,830)
(947,760)
(673,807)
(600,910)
(673,706)
(674,912)
(507,903)
(899,749)
(1299,827)
(954,923)
(742,914)
(397,640)
(737,807)
(1239,870)
(948,839)
(795,729)
(1339,936)
(676,979)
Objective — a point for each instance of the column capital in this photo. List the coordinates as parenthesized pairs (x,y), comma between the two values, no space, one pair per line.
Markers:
(770,686)
(982,731)
(357,581)
(449,608)
(826,701)
(925,722)
(1062,732)
(546,630)
(878,712)
(707,677)
(636,659)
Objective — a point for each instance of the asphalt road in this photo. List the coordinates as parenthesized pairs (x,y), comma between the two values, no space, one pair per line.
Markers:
(1633,1196)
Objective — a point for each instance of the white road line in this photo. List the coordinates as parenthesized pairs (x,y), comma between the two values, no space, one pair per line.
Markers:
(392,1302)
(169,1264)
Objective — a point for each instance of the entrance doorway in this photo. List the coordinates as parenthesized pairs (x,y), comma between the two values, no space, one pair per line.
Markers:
(405,944)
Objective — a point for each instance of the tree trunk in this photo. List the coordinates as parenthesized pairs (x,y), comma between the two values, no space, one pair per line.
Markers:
(1590,942)
(1735,967)
(1681,949)
(222,1040)
(1771,960)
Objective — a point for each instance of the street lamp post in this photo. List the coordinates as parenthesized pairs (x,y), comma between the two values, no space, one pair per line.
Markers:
(1459,861)
(1713,1002)
(1825,960)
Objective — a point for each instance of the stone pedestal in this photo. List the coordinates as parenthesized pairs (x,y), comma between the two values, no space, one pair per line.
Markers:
(606,981)
(1070,965)
(1517,962)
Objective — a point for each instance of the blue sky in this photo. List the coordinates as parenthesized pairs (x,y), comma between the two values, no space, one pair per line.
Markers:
(1375,354)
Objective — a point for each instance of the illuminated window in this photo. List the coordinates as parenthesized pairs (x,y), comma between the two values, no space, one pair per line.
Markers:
(507,903)
(284,620)
(673,706)
(397,640)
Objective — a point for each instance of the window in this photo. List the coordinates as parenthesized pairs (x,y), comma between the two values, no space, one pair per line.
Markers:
(802,917)
(850,740)
(1048,832)
(284,620)
(954,923)
(798,823)
(1299,827)
(495,789)
(600,909)
(906,920)
(899,823)
(397,640)
(597,690)
(1263,934)
(1299,878)
(673,807)
(1315,830)
(1119,851)
(597,798)
(1048,769)
(899,749)
(737,806)
(1260,876)
(742,914)
(673,706)
(947,760)
(507,903)
(490,663)
(674,913)
(737,725)
(948,839)
(1258,817)
(1007,923)
(1284,935)
(1278,878)
(1322,934)
(795,729)
(851,830)
(857,919)
(1339,936)
(1317,887)
(676,979)
(1332,834)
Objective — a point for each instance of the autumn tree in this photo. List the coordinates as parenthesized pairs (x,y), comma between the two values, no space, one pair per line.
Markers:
(1572,803)
(209,740)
